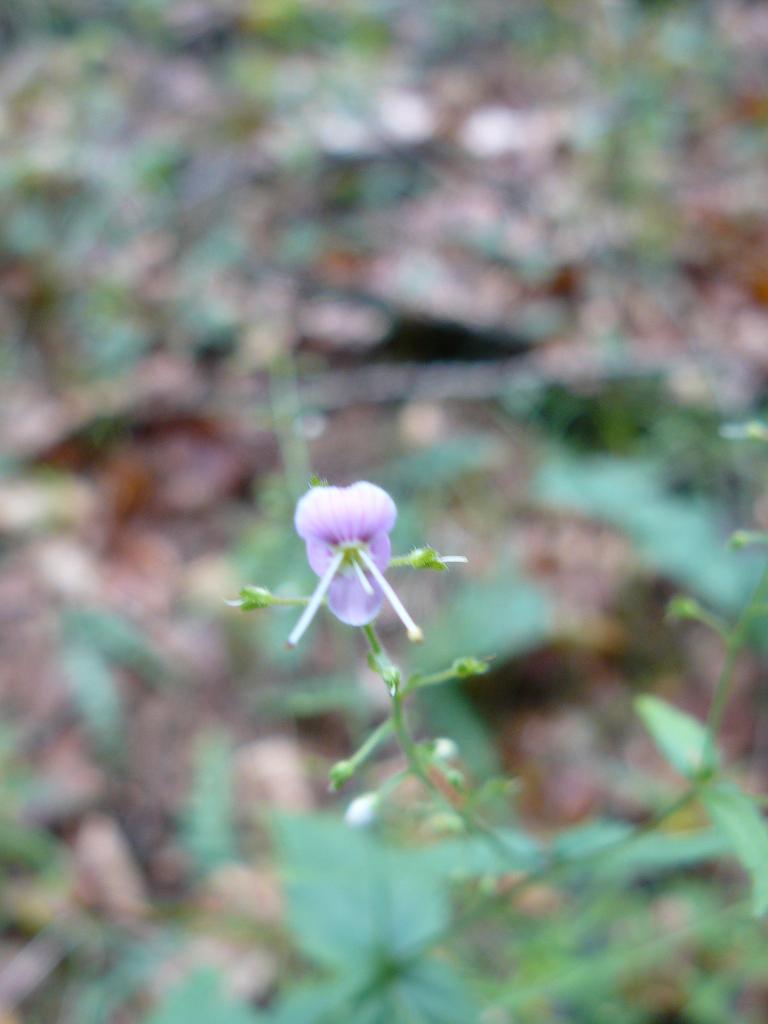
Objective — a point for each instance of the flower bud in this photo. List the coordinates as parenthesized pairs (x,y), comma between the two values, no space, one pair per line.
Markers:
(465,668)
(362,810)
(753,430)
(445,749)
(252,598)
(341,773)
(447,823)
(746,538)
(427,558)
(684,607)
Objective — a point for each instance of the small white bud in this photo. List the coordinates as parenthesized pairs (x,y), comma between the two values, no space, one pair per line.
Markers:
(362,811)
(446,749)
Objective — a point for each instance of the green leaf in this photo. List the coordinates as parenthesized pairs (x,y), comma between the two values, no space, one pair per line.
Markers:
(368,909)
(352,900)
(441,464)
(418,992)
(681,537)
(95,693)
(432,993)
(116,639)
(680,738)
(611,849)
(506,616)
(738,818)
(200,1000)
(310,697)
(474,856)
(208,831)
(315,1004)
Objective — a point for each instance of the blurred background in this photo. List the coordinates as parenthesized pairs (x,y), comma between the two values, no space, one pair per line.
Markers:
(508,260)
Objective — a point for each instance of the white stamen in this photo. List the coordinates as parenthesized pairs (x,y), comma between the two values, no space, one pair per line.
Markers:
(414,633)
(453,558)
(315,601)
(364,581)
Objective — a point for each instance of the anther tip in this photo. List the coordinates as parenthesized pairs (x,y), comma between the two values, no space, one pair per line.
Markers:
(415,635)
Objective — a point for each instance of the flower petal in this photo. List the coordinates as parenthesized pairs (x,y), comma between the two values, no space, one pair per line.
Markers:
(380,548)
(319,555)
(350,603)
(342,514)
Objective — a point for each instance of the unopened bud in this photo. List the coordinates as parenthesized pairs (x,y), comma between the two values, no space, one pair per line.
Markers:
(446,822)
(362,810)
(465,668)
(252,598)
(445,749)
(746,538)
(683,607)
(340,774)
(751,431)
(428,558)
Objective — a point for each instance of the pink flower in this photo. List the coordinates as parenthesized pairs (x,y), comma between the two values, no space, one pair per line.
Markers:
(346,530)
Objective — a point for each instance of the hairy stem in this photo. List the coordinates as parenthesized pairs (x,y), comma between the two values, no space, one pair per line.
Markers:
(391,676)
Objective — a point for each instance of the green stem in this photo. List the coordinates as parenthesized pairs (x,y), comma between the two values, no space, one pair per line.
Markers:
(391,676)
(409,747)
(399,562)
(373,640)
(418,682)
(733,646)
(379,734)
(553,868)
(397,719)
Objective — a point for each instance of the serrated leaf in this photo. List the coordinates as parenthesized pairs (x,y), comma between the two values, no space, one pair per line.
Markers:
(738,818)
(681,739)
(200,999)
(352,900)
